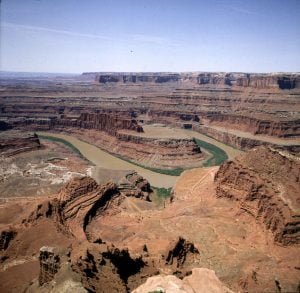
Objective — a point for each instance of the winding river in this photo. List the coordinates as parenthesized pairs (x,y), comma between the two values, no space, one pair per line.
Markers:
(105,160)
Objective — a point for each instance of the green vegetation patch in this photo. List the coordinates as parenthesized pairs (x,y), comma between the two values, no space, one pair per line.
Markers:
(162,192)
(218,155)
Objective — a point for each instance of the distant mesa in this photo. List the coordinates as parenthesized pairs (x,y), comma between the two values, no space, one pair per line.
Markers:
(253,80)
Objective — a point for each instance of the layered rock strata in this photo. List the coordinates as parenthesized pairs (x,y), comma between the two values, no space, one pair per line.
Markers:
(245,143)
(259,104)
(265,183)
(109,123)
(254,125)
(127,239)
(120,135)
(16,142)
(137,78)
(262,81)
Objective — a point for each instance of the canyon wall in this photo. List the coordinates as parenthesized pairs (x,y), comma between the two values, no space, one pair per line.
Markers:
(137,78)
(243,143)
(254,125)
(109,123)
(210,102)
(274,81)
(265,184)
(259,81)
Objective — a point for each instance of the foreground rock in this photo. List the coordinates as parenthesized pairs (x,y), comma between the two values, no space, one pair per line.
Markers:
(201,280)
(266,184)
(107,238)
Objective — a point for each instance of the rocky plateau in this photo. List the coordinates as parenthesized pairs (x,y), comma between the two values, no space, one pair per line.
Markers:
(77,216)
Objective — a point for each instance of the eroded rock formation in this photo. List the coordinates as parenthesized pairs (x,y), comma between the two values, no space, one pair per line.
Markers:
(137,77)
(263,105)
(200,280)
(15,142)
(262,81)
(49,264)
(106,122)
(280,81)
(105,268)
(132,184)
(256,126)
(181,252)
(265,183)
(5,237)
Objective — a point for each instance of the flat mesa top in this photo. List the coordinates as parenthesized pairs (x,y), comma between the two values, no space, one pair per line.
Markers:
(158,131)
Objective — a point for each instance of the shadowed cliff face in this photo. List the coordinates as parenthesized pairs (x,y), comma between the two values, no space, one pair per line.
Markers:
(282,82)
(286,83)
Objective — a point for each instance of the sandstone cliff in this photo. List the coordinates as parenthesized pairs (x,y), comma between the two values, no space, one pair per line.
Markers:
(107,122)
(282,81)
(137,77)
(254,125)
(265,183)
(260,81)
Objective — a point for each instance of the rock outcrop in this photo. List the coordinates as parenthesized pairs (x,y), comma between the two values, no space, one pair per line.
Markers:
(105,268)
(137,77)
(159,152)
(6,237)
(16,142)
(107,122)
(181,252)
(243,142)
(81,200)
(49,264)
(265,183)
(281,81)
(78,202)
(200,280)
(132,184)
(254,125)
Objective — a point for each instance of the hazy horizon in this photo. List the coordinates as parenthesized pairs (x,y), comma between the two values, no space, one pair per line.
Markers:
(179,72)
(158,36)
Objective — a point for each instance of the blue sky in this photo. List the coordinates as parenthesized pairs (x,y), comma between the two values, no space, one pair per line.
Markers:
(150,35)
